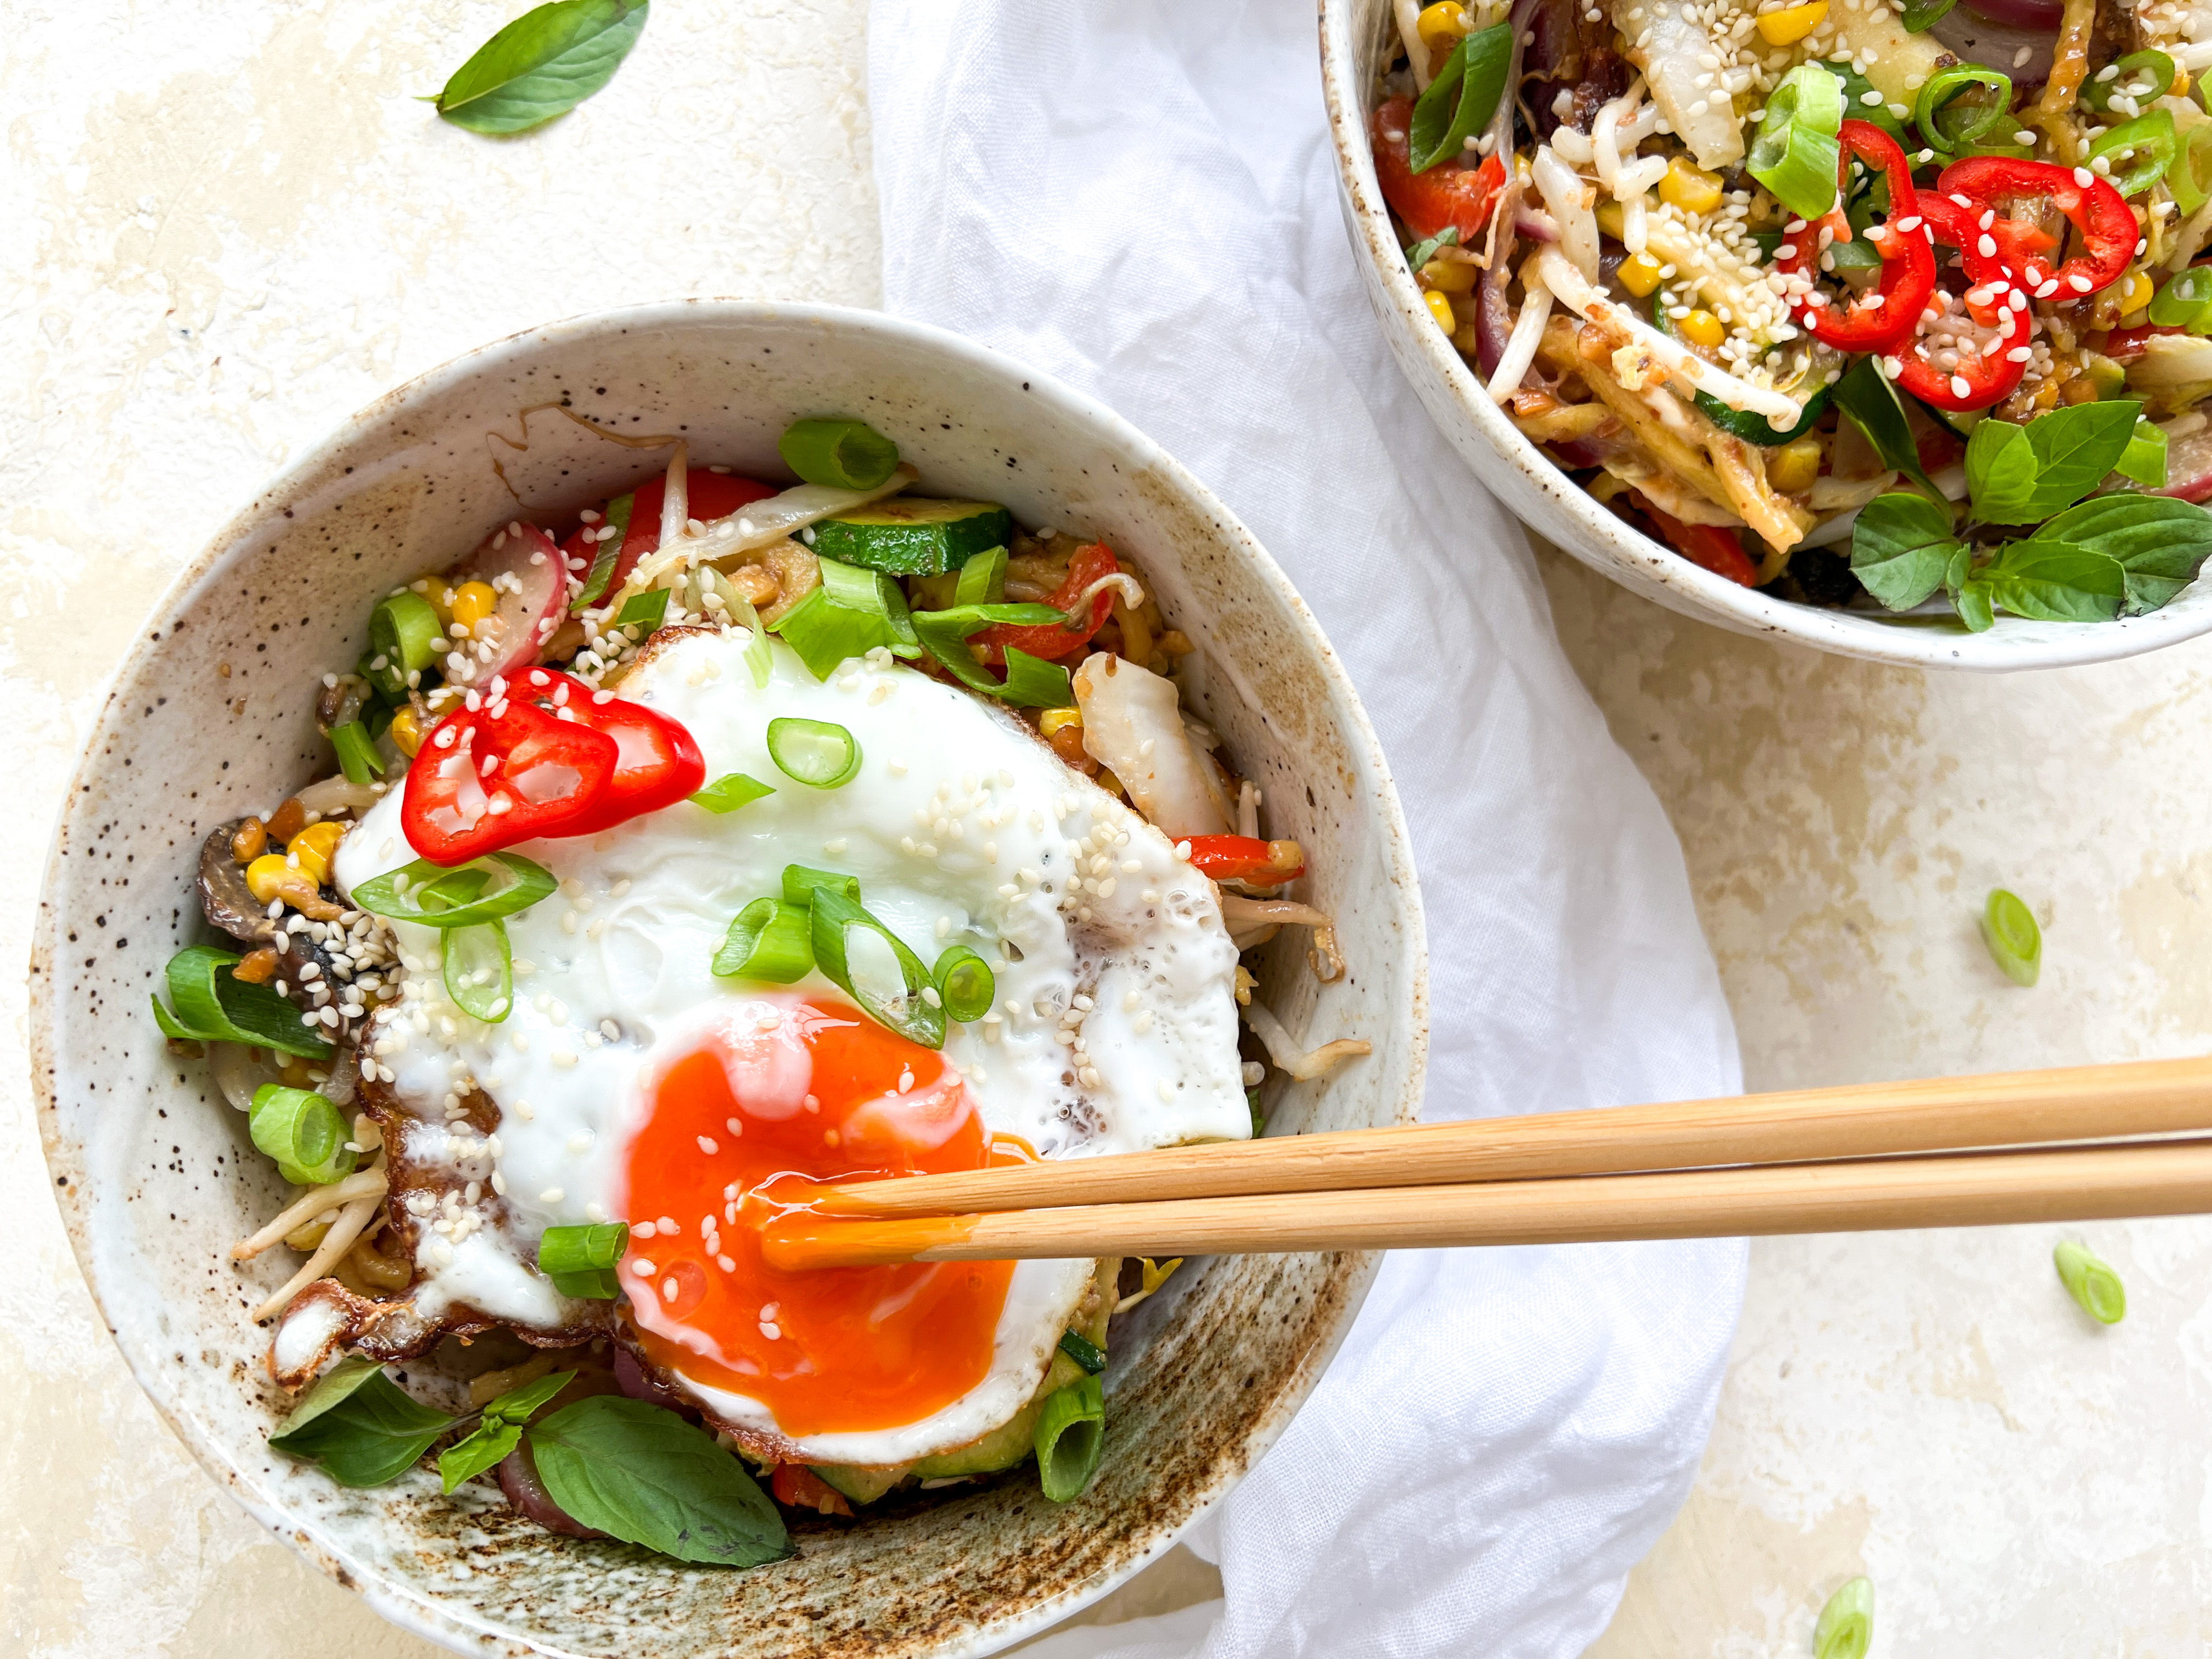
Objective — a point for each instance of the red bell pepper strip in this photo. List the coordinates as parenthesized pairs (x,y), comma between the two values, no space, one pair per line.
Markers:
(1448,197)
(1908,266)
(2100,213)
(484,779)
(1245,858)
(1709,546)
(1047,639)
(1980,376)
(710,496)
(657,762)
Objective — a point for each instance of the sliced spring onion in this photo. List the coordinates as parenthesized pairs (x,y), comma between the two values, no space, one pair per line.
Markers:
(435,896)
(357,756)
(2136,153)
(1463,98)
(1846,1625)
(2189,178)
(2092,1283)
(1071,1436)
(1795,154)
(982,580)
(2185,301)
(1855,86)
(873,593)
(851,613)
(1259,1117)
(908,1013)
(799,883)
(643,612)
(760,662)
(2153,67)
(213,1006)
(2144,458)
(768,941)
(479,970)
(581,1260)
(964,983)
(405,635)
(1964,106)
(608,553)
(1083,1351)
(729,793)
(304,1133)
(2016,942)
(820,754)
(1920,15)
(1031,682)
(840,453)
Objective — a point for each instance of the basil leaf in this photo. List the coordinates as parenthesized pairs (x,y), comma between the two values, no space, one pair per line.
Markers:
(646,1476)
(517,1405)
(1971,596)
(1425,250)
(2157,542)
(370,1433)
(1866,395)
(500,1431)
(1461,100)
(2144,458)
(2018,474)
(1902,548)
(2051,581)
(543,64)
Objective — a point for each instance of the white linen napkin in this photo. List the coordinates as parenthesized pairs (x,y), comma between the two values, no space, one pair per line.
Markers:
(1138,196)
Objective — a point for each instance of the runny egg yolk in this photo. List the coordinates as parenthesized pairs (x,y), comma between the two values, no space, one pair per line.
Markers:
(780,1091)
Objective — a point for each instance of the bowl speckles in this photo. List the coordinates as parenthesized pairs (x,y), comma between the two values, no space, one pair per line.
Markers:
(210,718)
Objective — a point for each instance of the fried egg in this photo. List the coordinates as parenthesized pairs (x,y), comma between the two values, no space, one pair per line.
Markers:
(632,1083)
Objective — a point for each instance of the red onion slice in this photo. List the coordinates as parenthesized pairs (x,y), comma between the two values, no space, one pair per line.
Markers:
(1991,37)
(518,1479)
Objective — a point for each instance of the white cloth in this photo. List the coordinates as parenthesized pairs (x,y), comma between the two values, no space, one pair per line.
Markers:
(1138,196)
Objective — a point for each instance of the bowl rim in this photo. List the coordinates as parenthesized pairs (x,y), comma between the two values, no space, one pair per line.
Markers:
(1604,542)
(396,1602)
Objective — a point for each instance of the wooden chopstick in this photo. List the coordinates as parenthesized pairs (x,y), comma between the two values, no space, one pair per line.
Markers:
(2014,1109)
(1975,1189)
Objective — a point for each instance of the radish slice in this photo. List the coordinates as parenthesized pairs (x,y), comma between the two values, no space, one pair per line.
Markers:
(522,564)
(2189,467)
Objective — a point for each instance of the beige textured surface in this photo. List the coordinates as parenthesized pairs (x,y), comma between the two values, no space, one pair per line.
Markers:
(231,227)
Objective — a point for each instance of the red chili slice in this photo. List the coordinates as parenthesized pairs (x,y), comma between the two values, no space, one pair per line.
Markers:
(1984,375)
(1446,197)
(2100,213)
(1050,643)
(1247,858)
(657,762)
(1908,267)
(544,775)
(1709,546)
(710,496)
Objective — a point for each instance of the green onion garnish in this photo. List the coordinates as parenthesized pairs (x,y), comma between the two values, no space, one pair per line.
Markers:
(213,1006)
(1964,106)
(768,941)
(1846,1623)
(580,1261)
(1795,154)
(2016,942)
(1459,103)
(1030,682)
(2185,301)
(2144,458)
(434,896)
(304,1133)
(982,580)
(838,453)
(2154,67)
(2136,153)
(964,983)
(643,612)
(609,550)
(851,613)
(357,756)
(404,637)
(2092,1283)
(479,970)
(1071,1435)
(727,793)
(1920,15)
(907,1011)
(820,754)
(1083,1351)
(759,661)
(799,883)
(2189,178)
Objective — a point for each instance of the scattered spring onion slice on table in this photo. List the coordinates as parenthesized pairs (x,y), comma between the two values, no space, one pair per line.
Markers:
(304,1133)
(543,64)
(727,793)
(478,967)
(211,1005)
(1846,1623)
(1071,1436)
(843,454)
(820,754)
(964,983)
(1796,153)
(769,940)
(459,896)
(2016,942)
(2091,1282)
(581,1260)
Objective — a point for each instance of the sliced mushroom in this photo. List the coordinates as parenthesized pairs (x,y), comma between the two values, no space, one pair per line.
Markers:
(229,905)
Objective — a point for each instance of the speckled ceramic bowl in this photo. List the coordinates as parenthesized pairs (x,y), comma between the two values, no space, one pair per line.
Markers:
(1354,36)
(210,718)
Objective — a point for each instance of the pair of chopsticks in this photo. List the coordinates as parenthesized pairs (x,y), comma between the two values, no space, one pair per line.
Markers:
(1890,1155)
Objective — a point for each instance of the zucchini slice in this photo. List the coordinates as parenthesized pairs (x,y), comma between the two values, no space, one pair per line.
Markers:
(913,536)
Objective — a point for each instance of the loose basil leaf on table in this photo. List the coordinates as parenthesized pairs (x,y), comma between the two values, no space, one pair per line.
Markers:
(2023,474)
(543,64)
(359,1424)
(1461,100)
(500,1432)
(644,1476)
(1901,548)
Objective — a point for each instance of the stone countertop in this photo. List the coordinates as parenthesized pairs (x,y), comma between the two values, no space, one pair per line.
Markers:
(231,229)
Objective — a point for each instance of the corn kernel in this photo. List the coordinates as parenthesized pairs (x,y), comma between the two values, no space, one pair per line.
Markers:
(1466,338)
(1639,274)
(472,602)
(1786,27)
(1052,719)
(1702,328)
(1443,26)
(309,1234)
(1689,187)
(2135,293)
(1795,465)
(407,732)
(1441,309)
(441,601)
(1450,275)
(272,876)
(314,846)
(1610,219)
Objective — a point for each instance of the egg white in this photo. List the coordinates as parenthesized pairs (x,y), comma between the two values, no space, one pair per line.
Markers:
(1113,1027)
